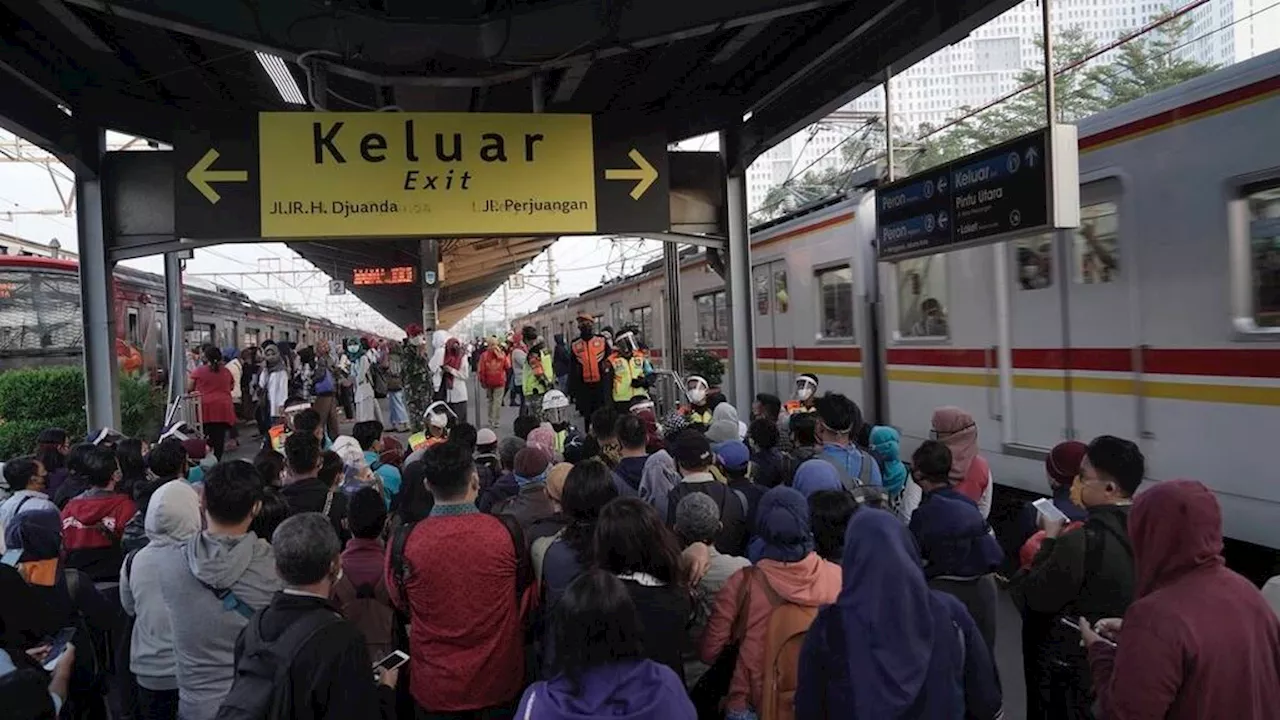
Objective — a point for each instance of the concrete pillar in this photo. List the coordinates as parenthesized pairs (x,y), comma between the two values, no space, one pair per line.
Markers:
(742,351)
(97,293)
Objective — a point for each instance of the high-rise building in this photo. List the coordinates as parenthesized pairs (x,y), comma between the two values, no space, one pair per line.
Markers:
(985,66)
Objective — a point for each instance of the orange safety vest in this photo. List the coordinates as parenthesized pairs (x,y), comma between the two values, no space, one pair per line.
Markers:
(589,354)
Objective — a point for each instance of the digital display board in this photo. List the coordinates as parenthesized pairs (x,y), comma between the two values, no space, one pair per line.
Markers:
(400,275)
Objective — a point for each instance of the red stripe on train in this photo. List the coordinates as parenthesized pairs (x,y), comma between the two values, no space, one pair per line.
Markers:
(1226,362)
(811,354)
(1180,114)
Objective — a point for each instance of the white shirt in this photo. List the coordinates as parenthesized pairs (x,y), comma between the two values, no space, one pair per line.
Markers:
(276,383)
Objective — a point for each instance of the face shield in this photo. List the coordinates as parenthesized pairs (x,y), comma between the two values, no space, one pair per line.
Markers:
(625,343)
(555,408)
(805,388)
(695,388)
(438,416)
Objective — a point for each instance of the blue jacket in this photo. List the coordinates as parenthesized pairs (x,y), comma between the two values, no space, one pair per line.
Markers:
(628,690)
(953,537)
(849,459)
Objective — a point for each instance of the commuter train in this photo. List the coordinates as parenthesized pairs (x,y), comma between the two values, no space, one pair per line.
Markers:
(40,319)
(1158,320)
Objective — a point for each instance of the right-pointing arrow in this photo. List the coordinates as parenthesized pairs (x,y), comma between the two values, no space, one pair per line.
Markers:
(200,176)
(644,173)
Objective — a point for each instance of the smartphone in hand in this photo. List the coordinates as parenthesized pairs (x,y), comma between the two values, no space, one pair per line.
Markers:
(390,662)
(1075,626)
(1045,507)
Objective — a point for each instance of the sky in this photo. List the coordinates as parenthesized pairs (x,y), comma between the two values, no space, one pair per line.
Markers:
(31,203)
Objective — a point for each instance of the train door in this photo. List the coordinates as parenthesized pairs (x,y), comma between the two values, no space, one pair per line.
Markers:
(1067,367)
(1031,353)
(1101,290)
(773,335)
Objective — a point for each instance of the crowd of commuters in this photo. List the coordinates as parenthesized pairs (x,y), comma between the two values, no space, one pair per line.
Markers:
(698,567)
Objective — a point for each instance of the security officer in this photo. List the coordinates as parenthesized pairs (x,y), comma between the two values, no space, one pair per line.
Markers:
(589,371)
(630,371)
(698,411)
(806,389)
(539,375)
(555,410)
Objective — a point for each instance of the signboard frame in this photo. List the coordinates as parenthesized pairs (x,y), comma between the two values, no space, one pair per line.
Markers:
(991,201)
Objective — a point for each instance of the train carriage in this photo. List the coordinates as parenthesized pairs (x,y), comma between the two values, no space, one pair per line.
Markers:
(1158,320)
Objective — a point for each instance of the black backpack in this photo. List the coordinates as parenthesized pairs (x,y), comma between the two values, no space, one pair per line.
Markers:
(732,539)
(261,689)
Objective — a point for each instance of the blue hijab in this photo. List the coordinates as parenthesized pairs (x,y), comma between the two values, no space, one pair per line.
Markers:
(816,474)
(782,526)
(887,614)
(885,445)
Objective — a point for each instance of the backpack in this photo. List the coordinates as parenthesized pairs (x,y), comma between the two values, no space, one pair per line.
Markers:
(731,514)
(784,636)
(379,380)
(261,689)
(493,371)
(368,607)
(400,565)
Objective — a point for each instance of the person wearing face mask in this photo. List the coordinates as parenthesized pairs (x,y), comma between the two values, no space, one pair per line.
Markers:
(273,382)
(698,411)
(1087,573)
(328,664)
(555,410)
(806,389)
(630,372)
(589,369)
(438,416)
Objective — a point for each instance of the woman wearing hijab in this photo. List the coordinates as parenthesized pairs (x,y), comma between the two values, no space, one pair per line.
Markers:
(455,371)
(658,477)
(787,571)
(173,517)
(889,647)
(725,425)
(885,445)
(1199,641)
(816,475)
(970,473)
(367,405)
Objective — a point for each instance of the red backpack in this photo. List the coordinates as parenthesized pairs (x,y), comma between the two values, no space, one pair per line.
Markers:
(493,370)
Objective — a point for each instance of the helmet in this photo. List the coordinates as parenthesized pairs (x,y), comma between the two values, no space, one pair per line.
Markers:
(438,414)
(555,407)
(806,386)
(695,388)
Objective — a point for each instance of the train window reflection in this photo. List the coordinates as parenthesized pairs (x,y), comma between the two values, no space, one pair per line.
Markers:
(761,279)
(922,292)
(1035,262)
(642,318)
(1264,255)
(835,299)
(713,321)
(780,296)
(1097,244)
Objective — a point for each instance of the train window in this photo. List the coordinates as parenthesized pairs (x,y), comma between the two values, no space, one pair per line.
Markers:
(1035,262)
(1097,244)
(615,316)
(922,292)
(780,298)
(642,318)
(835,300)
(1264,254)
(761,278)
(713,321)
(131,331)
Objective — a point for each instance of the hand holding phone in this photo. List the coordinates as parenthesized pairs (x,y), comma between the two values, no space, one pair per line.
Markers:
(1088,635)
(386,670)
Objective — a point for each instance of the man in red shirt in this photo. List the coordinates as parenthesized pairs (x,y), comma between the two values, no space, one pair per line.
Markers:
(93,522)
(458,581)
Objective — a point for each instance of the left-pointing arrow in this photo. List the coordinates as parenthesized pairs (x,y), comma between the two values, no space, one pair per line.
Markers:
(644,173)
(200,176)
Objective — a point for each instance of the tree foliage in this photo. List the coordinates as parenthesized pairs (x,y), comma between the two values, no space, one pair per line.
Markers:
(1141,66)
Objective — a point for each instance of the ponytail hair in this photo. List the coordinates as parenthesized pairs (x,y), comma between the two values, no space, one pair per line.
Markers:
(213,356)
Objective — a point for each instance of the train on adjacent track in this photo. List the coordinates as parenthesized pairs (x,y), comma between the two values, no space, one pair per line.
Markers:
(41,323)
(1157,320)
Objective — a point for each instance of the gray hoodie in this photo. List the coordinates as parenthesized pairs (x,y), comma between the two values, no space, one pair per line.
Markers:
(204,630)
(173,517)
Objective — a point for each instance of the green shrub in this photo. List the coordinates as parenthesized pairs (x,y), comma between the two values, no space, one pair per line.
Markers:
(41,393)
(32,399)
(705,364)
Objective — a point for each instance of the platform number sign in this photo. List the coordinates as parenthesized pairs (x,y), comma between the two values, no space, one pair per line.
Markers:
(337,287)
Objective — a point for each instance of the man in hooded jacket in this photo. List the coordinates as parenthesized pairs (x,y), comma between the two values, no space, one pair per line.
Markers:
(1199,641)
(213,584)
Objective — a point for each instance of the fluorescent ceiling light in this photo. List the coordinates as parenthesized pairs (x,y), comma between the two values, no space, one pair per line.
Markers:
(283,79)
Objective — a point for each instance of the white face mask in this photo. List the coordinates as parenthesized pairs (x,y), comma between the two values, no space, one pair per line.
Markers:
(804,392)
(439,420)
(697,395)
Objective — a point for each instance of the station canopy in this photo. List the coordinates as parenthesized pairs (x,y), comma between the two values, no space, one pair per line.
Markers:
(148,67)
